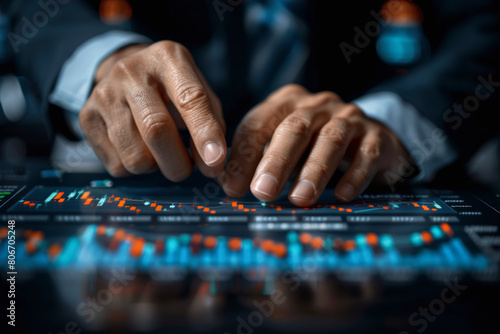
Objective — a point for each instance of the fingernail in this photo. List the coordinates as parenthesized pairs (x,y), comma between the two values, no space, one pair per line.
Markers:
(266,184)
(304,190)
(346,192)
(211,152)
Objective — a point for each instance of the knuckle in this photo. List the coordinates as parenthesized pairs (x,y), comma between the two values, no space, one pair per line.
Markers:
(296,124)
(136,162)
(104,93)
(320,169)
(362,174)
(293,89)
(125,67)
(191,97)
(351,110)
(278,159)
(116,169)
(336,132)
(250,126)
(155,127)
(372,151)
(170,50)
(329,96)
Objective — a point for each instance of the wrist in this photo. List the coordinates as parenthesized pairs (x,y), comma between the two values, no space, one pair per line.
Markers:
(107,64)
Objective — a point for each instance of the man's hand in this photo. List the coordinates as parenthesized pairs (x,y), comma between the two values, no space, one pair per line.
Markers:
(294,120)
(142,95)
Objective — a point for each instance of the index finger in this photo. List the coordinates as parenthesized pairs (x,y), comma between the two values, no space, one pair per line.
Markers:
(187,90)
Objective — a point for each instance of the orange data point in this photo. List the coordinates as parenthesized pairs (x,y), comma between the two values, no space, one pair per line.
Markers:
(349,245)
(30,246)
(196,238)
(280,250)
(267,245)
(447,229)
(305,238)
(234,244)
(101,229)
(54,250)
(210,242)
(372,239)
(317,243)
(3,232)
(137,247)
(426,237)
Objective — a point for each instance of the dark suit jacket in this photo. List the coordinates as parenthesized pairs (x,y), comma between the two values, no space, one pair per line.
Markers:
(464,38)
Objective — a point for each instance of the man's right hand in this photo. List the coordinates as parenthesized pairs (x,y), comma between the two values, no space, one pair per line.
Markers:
(142,96)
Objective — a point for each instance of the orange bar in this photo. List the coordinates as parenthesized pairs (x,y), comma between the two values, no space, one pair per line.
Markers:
(137,247)
(370,206)
(386,208)
(246,210)
(425,208)
(349,245)
(121,203)
(293,211)
(158,208)
(206,209)
(3,232)
(280,250)
(26,202)
(61,200)
(447,229)
(84,196)
(87,202)
(234,244)
(153,205)
(341,209)
(132,208)
(212,211)
(59,195)
(267,245)
(199,207)
(305,238)
(278,208)
(32,204)
(317,243)
(416,205)
(210,242)
(332,206)
(240,206)
(372,239)
(54,250)
(117,198)
(434,209)
(101,229)
(426,236)
(234,204)
(349,210)
(253,210)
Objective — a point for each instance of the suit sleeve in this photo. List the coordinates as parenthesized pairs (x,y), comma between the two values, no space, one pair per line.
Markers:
(458,87)
(43,36)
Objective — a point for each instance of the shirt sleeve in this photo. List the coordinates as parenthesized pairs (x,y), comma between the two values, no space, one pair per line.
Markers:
(76,77)
(429,147)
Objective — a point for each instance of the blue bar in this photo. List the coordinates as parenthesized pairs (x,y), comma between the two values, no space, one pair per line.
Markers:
(462,251)
(69,252)
(449,257)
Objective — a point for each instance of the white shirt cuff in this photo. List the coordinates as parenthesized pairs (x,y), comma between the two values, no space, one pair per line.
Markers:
(428,145)
(76,78)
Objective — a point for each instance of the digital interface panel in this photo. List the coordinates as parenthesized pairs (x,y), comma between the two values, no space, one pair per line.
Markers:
(182,201)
